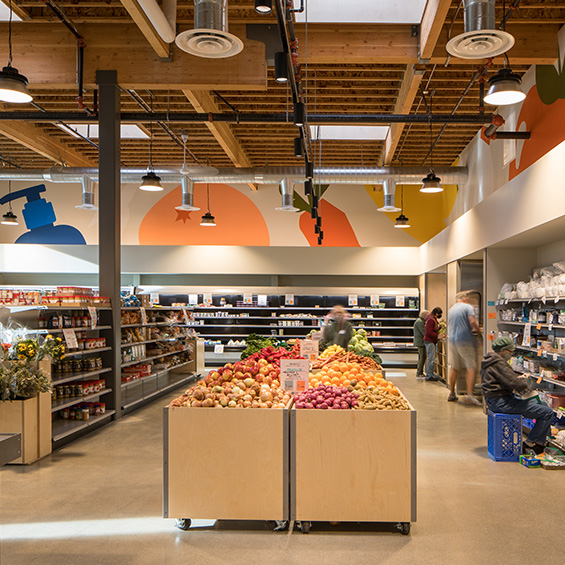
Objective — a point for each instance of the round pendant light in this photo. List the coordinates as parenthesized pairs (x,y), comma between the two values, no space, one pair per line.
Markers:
(13,86)
(402,222)
(150,182)
(10,219)
(431,184)
(263,6)
(504,89)
(208,220)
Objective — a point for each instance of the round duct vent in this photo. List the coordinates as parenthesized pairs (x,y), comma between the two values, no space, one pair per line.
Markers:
(209,43)
(480,44)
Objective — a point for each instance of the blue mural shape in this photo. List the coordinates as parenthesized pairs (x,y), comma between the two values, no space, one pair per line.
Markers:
(39,217)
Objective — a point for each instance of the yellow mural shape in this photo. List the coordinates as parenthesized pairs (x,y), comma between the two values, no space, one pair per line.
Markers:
(426,212)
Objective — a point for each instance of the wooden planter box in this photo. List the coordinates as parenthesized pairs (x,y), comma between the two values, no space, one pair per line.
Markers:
(229,463)
(353,465)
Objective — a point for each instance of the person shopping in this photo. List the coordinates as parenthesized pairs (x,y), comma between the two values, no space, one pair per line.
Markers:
(500,382)
(419,331)
(337,329)
(431,334)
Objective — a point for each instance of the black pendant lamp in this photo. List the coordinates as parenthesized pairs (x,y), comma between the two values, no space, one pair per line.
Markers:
(263,6)
(207,219)
(281,72)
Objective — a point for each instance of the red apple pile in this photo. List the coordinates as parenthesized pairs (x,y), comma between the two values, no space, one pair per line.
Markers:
(275,354)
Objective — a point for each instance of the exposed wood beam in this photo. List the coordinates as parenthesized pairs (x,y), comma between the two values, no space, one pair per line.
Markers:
(49,60)
(22,13)
(406,95)
(204,103)
(432,23)
(137,14)
(38,141)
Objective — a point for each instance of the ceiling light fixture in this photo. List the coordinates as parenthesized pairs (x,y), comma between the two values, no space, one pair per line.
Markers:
(150,182)
(431,183)
(208,220)
(308,187)
(504,88)
(299,113)
(281,72)
(298,147)
(13,85)
(263,6)
(9,218)
(402,221)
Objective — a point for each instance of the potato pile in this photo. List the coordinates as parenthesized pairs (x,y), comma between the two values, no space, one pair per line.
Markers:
(380,398)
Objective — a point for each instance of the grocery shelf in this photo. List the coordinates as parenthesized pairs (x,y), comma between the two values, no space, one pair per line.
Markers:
(80,328)
(129,363)
(64,428)
(87,351)
(131,344)
(140,325)
(153,375)
(348,308)
(554,299)
(78,376)
(59,405)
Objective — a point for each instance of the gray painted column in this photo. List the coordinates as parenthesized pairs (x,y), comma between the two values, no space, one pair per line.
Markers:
(109,222)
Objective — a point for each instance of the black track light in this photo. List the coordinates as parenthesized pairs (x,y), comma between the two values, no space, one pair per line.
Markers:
(308,187)
(309,170)
(299,113)
(264,6)
(319,221)
(317,229)
(313,212)
(281,73)
(298,147)
(315,200)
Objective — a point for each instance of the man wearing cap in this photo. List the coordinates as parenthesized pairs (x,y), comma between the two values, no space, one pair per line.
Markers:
(499,382)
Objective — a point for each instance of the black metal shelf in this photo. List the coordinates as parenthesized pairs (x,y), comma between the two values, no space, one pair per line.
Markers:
(64,428)
(79,376)
(87,351)
(59,405)
(145,359)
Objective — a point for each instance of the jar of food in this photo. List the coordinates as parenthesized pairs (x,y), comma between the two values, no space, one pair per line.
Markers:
(85,413)
(65,413)
(99,362)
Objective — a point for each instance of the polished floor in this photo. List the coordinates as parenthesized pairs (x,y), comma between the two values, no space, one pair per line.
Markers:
(98,501)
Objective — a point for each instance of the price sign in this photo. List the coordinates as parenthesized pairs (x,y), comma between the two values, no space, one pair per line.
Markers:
(93,317)
(317,336)
(208,299)
(309,348)
(400,301)
(490,303)
(538,327)
(491,315)
(185,316)
(261,300)
(154,297)
(375,298)
(539,352)
(289,299)
(294,374)
(352,300)
(219,348)
(527,335)
(193,299)
(143,316)
(70,338)
(248,299)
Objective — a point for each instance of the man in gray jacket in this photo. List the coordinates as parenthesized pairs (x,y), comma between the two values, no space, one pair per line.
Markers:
(419,330)
(499,382)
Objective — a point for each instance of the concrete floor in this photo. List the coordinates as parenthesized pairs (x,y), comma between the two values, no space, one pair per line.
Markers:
(98,501)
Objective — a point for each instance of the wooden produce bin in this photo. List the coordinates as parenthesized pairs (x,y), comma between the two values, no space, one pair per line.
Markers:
(229,463)
(353,466)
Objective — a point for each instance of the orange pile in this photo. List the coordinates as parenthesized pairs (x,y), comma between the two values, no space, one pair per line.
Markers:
(346,374)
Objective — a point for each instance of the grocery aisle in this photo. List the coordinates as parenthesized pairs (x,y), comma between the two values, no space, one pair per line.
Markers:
(98,501)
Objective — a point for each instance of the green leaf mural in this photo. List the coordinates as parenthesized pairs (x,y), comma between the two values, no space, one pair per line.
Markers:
(550,82)
(306,206)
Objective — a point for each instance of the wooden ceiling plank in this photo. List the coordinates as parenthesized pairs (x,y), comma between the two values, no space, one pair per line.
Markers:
(432,23)
(39,142)
(204,103)
(140,18)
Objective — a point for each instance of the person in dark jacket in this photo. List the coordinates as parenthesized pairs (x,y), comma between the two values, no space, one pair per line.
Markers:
(338,330)
(431,334)
(499,382)
(419,330)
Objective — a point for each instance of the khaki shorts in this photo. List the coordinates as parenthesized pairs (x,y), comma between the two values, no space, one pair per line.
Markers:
(462,356)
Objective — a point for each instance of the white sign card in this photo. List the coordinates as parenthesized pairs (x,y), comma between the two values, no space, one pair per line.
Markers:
(310,349)
(193,299)
(143,316)
(317,336)
(93,317)
(294,374)
(261,300)
(400,301)
(219,348)
(289,299)
(208,299)
(527,335)
(248,299)
(375,298)
(352,300)
(70,338)
(154,297)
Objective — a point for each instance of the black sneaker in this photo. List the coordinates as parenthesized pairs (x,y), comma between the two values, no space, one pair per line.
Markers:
(535,449)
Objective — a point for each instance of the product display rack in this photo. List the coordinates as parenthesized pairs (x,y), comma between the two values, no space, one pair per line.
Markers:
(149,386)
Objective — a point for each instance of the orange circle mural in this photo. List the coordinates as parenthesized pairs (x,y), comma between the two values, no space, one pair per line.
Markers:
(238,220)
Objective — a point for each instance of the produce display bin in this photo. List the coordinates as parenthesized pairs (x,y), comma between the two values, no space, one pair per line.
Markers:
(353,466)
(229,463)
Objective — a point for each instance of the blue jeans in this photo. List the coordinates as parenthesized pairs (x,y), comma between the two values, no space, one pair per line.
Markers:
(542,414)
(431,353)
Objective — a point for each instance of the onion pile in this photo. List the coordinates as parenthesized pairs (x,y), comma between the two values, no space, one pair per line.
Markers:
(326,397)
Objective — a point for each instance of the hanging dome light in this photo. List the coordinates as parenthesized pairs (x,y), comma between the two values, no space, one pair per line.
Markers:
(431,183)
(263,6)
(208,220)
(150,182)
(10,219)
(504,89)
(13,86)
(402,222)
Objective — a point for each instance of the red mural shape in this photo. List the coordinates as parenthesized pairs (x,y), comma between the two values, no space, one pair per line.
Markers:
(335,225)
(547,125)
(238,220)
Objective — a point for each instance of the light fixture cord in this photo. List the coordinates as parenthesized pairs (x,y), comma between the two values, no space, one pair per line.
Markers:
(208,195)
(10,36)
(151,133)
(10,192)
(431,135)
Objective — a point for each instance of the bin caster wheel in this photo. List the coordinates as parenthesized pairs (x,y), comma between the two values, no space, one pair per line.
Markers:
(404,528)
(305,527)
(183,523)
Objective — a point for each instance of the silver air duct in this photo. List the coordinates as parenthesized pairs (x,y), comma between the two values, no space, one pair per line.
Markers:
(389,187)
(286,190)
(258,175)
(481,40)
(87,195)
(210,37)
(187,195)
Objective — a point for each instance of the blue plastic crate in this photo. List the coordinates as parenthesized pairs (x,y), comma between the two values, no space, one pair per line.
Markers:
(527,423)
(504,436)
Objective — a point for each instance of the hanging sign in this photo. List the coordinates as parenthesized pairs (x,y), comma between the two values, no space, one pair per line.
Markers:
(294,374)
(248,299)
(208,299)
(375,298)
(527,335)
(309,348)
(70,338)
(352,300)
(261,300)
(400,301)
(193,299)
(289,299)
(93,317)
(143,316)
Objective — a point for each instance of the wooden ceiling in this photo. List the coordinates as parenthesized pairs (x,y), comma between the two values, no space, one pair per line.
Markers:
(348,69)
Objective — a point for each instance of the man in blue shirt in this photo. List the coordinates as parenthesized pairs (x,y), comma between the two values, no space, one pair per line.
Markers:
(462,326)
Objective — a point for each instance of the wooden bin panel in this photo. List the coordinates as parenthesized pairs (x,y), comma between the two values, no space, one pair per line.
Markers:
(353,465)
(226,463)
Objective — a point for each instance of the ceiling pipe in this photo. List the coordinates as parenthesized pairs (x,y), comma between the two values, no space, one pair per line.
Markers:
(162,24)
(389,188)
(257,175)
